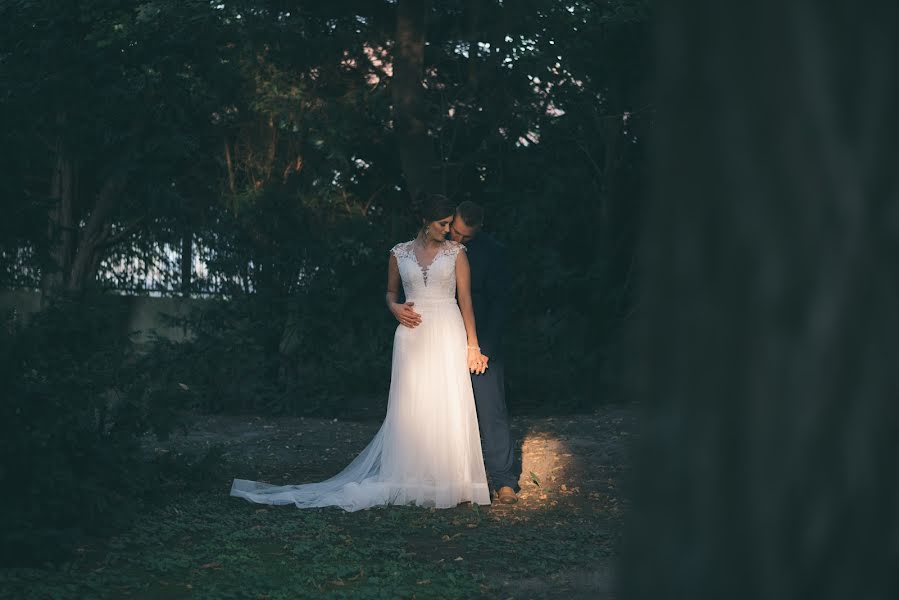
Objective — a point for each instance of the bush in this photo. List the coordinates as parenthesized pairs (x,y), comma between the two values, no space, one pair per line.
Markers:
(77,401)
(323,350)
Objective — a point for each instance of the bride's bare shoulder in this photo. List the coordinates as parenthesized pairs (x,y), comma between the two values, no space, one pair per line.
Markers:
(454,248)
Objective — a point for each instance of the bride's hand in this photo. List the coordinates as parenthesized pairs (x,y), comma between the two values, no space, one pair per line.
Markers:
(477,362)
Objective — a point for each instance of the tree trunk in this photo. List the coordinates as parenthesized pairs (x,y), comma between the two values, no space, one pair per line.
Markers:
(186,257)
(416,148)
(230,166)
(768,467)
(96,233)
(61,227)
(473,10)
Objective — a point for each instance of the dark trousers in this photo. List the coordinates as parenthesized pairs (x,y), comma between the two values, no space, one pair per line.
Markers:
(493,421)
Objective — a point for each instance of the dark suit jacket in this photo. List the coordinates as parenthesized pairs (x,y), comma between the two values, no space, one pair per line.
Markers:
(490,283)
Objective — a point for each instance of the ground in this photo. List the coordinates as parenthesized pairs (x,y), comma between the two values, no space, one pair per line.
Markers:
(557,542)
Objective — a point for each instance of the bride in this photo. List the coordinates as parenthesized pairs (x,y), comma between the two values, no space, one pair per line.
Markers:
(428,450)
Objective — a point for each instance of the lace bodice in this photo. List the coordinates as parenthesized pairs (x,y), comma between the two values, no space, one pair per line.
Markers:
(434,281)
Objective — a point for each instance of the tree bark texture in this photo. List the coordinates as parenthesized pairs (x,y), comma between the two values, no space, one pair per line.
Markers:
(416,148)
(96,233)
(186,257)
(61,228)
(769,463)
(473,11)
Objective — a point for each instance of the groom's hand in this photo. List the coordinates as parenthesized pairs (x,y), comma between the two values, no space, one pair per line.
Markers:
(405,315)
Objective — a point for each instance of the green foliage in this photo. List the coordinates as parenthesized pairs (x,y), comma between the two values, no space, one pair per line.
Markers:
(265,135)
(310,340)
(77,401)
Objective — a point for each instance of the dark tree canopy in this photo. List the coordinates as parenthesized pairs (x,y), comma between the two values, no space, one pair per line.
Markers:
(268,152)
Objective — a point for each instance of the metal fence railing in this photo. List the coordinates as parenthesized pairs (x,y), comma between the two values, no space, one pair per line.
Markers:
(152,269)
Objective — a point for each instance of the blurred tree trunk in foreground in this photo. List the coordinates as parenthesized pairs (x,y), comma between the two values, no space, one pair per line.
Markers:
(769,465)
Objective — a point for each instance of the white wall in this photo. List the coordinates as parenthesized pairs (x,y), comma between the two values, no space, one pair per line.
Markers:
(144,312)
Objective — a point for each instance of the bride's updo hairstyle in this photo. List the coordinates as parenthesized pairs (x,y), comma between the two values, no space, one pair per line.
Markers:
(432,207)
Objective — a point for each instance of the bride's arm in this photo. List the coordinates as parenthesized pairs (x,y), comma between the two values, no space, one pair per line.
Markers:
(477,362)
(393,283)
(404,313)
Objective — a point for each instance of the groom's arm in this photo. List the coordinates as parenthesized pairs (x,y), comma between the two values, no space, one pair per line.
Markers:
(497,287)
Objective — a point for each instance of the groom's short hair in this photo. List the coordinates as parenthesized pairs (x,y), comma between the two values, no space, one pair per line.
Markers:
(471,213)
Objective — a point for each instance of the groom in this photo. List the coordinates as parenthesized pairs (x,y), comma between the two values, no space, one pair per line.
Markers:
(490,296)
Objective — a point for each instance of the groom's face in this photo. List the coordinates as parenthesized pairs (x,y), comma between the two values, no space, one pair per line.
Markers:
(460,232)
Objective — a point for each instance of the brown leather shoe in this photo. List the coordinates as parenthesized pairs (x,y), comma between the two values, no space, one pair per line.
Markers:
(507,495)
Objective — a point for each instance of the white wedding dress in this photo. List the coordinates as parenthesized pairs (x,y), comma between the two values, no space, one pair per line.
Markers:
(428,450)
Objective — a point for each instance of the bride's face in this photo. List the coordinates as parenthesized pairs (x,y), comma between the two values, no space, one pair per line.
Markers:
(438,230)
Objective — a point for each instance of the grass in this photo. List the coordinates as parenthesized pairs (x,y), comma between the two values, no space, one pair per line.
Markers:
(209,545)
(200,543)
